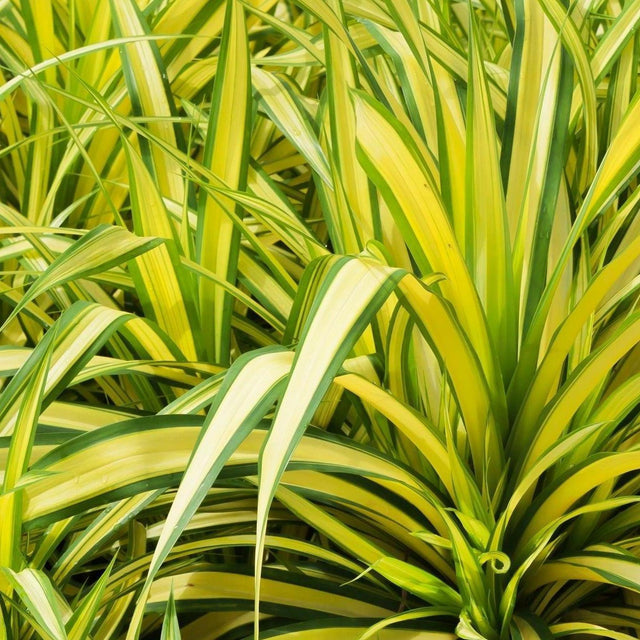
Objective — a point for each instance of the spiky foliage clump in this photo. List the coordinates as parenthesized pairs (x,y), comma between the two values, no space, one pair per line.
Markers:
(319,319)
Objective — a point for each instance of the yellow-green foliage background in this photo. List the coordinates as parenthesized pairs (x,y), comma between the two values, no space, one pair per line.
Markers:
(318,319)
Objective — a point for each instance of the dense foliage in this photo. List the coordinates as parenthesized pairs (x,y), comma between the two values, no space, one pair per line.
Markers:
(318,319)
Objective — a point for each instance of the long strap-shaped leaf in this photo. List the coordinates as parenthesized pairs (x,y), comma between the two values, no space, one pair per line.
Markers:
(42,41)
(38,594)
(284,109)
(409,577)
(287,597)
(142,68)
(533,142)
(415,428)
(567,30)
(614,567)
(152,451)
(28,413)
(561,410)
(82,330)
(618,166)
(99,250)
(170,624)
(582,479)
(539,388)
(483,409)
(360,289)
(348,175)
(163,298)
(84,617)
(98,532)
(394,164)
(487,242)
(19,455)
(226,154)
(161,281)
(230,419)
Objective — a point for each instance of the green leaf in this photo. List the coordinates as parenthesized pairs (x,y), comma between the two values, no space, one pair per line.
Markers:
(99,250)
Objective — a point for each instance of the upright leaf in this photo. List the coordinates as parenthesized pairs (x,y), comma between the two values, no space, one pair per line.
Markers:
(225,154)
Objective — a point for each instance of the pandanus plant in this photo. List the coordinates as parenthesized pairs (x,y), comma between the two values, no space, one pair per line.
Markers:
(319,319)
